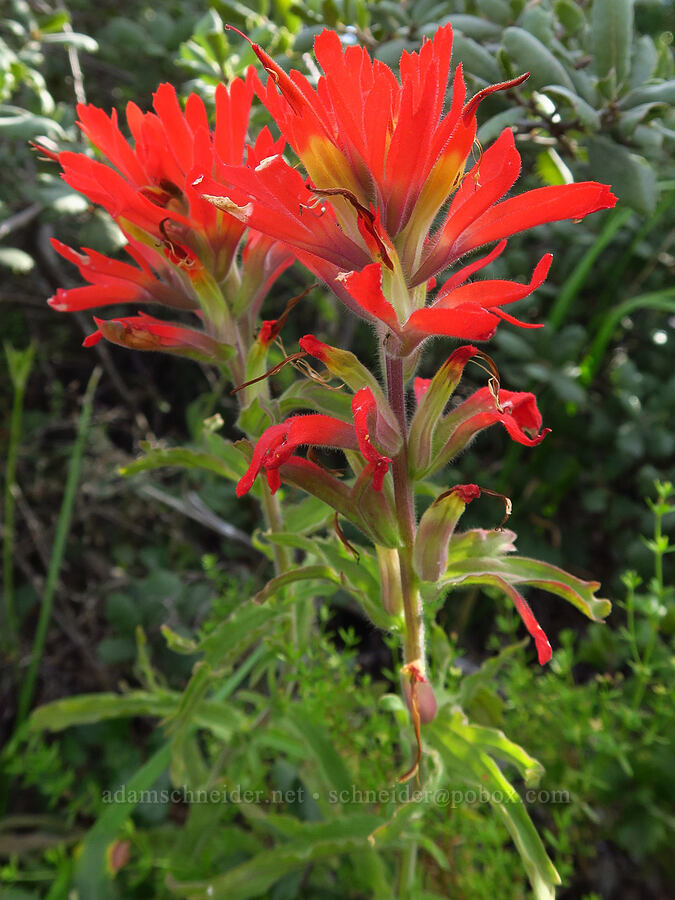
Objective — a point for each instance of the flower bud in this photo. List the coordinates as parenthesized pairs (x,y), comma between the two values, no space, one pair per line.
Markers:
(436,528)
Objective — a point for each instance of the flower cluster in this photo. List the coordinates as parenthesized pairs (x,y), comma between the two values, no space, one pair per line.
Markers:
(184,250)
(385,202)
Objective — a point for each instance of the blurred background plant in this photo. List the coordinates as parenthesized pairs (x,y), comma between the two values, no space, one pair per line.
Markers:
(173,549)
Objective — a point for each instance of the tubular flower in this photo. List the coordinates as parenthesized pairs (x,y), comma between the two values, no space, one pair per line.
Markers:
(516,411)
(382,158)
(143,332)
(467,311)
(184,248)
(278,443)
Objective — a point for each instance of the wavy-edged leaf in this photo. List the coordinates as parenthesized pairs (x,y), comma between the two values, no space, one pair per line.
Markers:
(461,760)
(580,593)
(320,748)
(219,718)
(521,570)
(494,742)
(246,624)
(91,875)
(306,573)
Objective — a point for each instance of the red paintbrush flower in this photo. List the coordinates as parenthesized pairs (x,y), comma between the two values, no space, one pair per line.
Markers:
(143,332)
(277,445)
(382,158)
(153,280)
(149,183)
(468,311)
(183,246)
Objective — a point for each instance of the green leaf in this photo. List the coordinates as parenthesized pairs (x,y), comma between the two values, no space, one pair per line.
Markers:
(241,629)
(307,516)
(491,129)
(19,124)
(321,749)
(471,26)
(87,709)
(181,457)
(548,169)
(528,54)
(495,10)
(309,394)
(307,573)
(54,22)
(92,878)
(461,760)
(475,59)
(480,542)
(664,92)
(629,175)
(521,570)
(586,113)
(495,743)
(644,59)
(314,843)
(72,39)
(569,14)
(612,25)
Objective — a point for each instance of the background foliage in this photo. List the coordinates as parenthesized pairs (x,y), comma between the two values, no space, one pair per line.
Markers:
(172,549)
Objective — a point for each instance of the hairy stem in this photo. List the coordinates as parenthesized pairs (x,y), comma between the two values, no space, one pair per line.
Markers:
(405,509)
(272,514)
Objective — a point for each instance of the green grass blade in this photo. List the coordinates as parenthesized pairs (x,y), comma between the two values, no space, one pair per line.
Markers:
(662,300)
(58,548)
(20,364)
(573,285)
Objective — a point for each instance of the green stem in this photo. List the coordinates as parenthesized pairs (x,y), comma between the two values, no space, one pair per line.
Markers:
(58,548)
(643,671)
(405,510)
(20,365)
(272,514)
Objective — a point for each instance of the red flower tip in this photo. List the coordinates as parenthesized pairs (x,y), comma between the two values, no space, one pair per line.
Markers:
(267,332)
(544,651)
(364,409)
(314,347)
(92,339)
(58,301)
(466,492)
(473,104)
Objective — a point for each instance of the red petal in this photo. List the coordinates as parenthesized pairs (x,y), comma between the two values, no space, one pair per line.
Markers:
(544,652)
(366,288)
(547,204)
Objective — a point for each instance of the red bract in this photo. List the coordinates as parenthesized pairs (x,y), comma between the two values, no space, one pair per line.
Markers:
(468,311)
(143,332)
(183,246)
(278,444)
(153,280)
(149,184)
(382,158)
(516,410)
